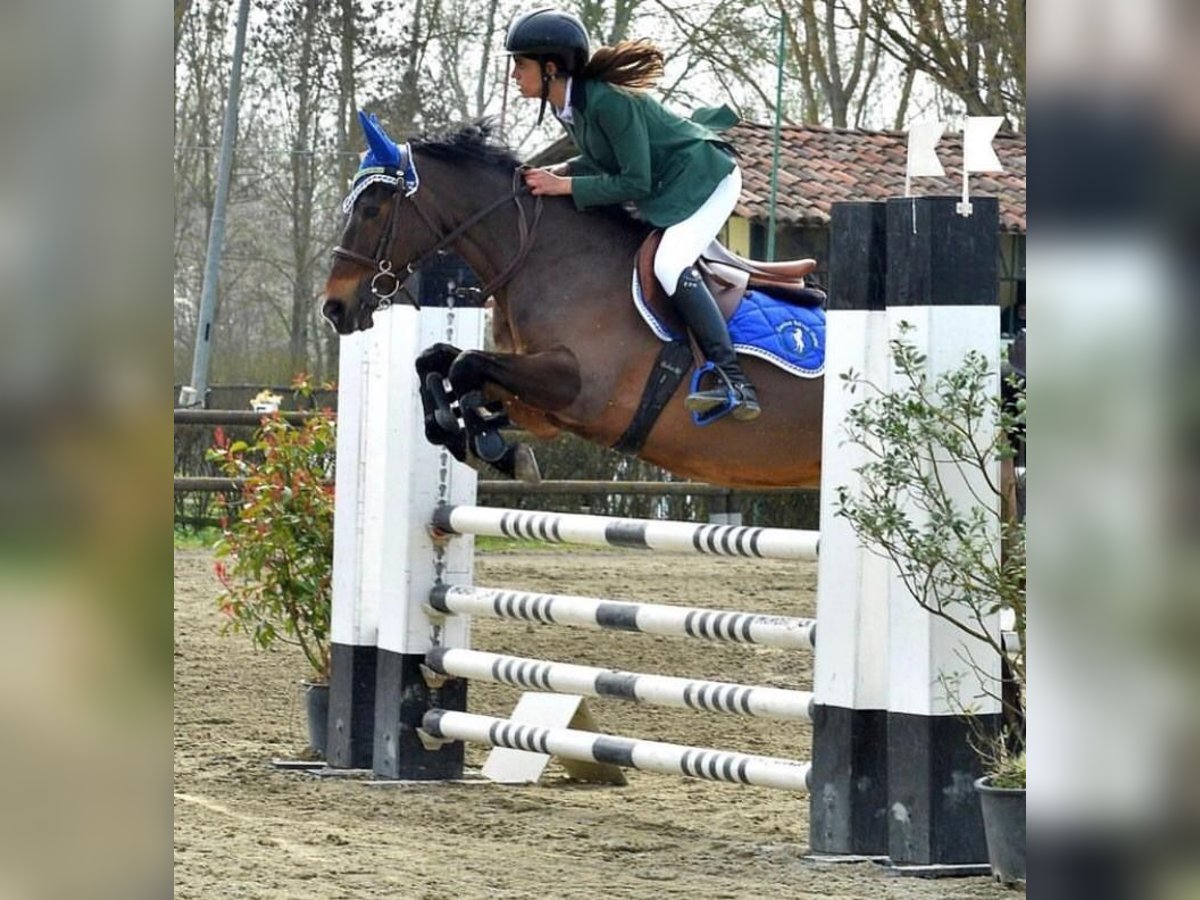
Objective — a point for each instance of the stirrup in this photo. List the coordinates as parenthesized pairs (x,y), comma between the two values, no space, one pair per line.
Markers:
(708,406)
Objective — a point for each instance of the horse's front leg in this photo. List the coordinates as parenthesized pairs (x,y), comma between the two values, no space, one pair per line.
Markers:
(442,428)
(546,381)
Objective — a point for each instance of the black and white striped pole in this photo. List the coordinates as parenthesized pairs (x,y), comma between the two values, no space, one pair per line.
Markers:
(590,681)
(730,626)
(649,756)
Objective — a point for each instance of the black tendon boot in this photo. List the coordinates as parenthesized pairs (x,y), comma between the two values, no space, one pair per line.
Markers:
(703,317)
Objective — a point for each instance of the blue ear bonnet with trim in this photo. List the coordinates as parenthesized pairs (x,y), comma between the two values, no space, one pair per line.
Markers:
(385,161)
(382,151)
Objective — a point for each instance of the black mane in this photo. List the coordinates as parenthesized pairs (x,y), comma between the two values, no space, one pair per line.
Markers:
(475,141)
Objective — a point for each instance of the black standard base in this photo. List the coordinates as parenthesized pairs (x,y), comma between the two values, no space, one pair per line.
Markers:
(849,795)
(351,706)
(401,700)
(934,814)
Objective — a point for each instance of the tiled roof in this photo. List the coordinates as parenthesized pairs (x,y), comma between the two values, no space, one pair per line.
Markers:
(820,166)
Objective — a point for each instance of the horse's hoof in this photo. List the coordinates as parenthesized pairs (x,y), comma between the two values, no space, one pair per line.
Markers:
(525,465)
(443,415)
(490,445)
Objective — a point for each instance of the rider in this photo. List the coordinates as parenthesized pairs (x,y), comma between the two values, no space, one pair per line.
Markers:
(679,175)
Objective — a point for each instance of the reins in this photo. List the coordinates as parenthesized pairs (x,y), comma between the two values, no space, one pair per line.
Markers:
(384,267)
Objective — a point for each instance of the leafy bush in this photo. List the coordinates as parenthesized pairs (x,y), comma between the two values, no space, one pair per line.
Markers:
(275,554)
(930,502)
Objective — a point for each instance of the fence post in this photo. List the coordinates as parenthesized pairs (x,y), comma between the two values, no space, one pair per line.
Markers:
(389,479)
(849,789)
(941,279)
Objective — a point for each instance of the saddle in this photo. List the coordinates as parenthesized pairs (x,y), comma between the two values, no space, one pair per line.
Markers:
(728,277)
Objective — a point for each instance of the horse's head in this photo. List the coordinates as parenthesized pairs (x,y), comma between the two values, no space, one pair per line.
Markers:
(376,252)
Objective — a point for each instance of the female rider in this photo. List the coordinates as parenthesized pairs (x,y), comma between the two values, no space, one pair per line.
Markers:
(679,175)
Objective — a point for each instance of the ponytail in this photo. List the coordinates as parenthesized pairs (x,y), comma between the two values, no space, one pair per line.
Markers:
(636,65)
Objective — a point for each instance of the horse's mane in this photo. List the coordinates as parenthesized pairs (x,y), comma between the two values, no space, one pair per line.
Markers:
(479,141)
(475,141)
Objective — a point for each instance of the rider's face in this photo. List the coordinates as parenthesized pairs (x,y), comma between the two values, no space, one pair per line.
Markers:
(528,76)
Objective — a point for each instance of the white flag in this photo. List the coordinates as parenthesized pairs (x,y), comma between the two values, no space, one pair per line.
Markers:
(922,153)
(978,155)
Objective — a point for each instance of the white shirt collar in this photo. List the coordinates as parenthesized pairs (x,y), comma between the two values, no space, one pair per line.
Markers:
(565,113)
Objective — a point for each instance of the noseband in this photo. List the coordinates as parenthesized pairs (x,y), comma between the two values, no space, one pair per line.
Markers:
(382,265)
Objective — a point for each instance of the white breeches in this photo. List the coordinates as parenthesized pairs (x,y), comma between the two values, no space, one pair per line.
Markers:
(684,241)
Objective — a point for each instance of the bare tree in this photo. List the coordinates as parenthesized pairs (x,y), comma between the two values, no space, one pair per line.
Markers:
(181,9)
(974,49)
(837,57)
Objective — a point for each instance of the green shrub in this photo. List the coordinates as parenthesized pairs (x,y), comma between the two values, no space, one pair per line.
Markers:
(275,554)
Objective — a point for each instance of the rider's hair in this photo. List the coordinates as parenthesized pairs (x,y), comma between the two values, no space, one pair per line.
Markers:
(637,65)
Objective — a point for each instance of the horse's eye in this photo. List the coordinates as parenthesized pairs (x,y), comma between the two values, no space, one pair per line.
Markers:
(370,212)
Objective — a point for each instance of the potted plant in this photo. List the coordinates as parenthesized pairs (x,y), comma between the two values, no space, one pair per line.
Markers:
(916,433)
(275,554)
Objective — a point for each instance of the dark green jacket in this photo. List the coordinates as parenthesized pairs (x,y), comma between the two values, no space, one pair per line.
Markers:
(633,149)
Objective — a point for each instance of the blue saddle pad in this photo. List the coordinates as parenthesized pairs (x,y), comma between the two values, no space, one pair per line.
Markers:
(790,337)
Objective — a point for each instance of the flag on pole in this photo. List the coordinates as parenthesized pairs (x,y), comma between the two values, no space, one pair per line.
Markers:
(978,155)
(923,160)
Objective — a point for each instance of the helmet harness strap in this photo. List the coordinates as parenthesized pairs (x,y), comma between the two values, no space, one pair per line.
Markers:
(546,78)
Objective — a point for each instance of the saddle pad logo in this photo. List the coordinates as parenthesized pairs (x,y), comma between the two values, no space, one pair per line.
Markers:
(797,336)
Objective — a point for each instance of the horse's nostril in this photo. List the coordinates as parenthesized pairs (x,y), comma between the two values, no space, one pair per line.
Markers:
(332,311)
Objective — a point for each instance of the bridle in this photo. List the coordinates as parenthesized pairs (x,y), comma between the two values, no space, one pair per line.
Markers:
(405,184)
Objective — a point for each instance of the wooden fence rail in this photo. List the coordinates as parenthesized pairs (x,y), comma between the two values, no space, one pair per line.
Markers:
(211,484)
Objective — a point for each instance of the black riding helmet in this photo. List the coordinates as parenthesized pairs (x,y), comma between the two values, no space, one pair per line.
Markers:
(549,33)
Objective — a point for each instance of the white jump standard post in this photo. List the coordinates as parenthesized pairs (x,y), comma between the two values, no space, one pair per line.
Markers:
(943,273)
(892,763)
(849,796)
(389,480)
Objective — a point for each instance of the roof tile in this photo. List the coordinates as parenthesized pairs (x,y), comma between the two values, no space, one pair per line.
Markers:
(821,165)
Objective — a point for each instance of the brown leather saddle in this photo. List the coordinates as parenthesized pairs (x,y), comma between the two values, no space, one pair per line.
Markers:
(728,277)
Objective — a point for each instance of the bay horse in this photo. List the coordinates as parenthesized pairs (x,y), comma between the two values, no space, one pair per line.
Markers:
(572,353)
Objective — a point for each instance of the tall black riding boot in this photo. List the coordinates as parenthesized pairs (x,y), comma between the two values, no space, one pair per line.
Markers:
(703,317)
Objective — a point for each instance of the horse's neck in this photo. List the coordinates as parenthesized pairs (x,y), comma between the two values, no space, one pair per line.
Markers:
(592,252)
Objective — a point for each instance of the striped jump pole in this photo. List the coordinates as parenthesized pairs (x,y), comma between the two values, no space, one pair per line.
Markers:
(648,756)
(618,615)
(661,690)
(638,534)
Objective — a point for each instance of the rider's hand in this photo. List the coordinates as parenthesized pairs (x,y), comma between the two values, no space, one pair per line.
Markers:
(544,182)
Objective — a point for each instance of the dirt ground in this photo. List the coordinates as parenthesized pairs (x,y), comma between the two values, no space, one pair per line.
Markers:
(246,829)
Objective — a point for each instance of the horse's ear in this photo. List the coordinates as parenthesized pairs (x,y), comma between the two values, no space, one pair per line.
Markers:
(383,150)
